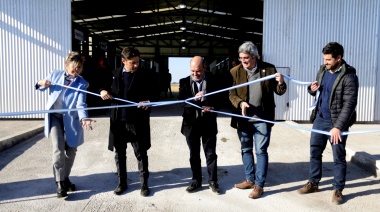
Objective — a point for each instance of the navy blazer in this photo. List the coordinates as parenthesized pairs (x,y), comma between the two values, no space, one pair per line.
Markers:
(72,99)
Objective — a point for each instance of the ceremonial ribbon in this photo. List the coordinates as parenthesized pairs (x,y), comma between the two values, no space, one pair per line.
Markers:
(163,103)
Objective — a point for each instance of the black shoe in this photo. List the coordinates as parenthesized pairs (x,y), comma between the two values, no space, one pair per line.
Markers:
(68,185)
(120,189)
(144,190)
(61,191)
(214,186)
(193,187)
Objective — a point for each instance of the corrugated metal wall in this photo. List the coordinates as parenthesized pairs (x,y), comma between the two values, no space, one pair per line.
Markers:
(295,31)
(35,37)
(377,89)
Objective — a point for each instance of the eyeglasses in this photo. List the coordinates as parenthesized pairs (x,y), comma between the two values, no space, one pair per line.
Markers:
(244,58)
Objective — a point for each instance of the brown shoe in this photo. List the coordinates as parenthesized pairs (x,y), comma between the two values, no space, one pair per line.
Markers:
(337,197)
(256,192)
(310,187)
(245,185)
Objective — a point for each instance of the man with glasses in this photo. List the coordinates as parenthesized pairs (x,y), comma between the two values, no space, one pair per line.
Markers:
(256,103)
(130,124)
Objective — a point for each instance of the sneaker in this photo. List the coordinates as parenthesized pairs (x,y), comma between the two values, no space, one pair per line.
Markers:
(120,189)
(310,187)
(144,190)
(245,185)
(193,187)
(214,186)
(337,197)
(256,192)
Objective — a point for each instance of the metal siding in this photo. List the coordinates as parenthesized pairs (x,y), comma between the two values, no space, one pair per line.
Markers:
(35,39)
(377,68)
(295,31)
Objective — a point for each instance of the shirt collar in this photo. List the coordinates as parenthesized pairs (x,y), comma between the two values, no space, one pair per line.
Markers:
(204,77)
(125,70)
(337,71)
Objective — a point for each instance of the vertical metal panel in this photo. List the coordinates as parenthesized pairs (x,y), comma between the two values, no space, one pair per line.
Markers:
(295,31)
(376,29)
(35,38)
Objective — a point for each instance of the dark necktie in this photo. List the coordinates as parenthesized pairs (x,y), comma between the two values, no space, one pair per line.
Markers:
(198,112)
(195,88)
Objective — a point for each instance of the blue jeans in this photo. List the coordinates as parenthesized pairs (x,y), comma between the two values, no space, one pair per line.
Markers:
(317,146)
(259,134)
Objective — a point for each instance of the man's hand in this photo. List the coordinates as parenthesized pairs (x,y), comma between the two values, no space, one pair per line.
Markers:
(335,136)
(207,109)
(314,86)
(279,78)
(199,96)
(244,106)
(145,107)
(105,95)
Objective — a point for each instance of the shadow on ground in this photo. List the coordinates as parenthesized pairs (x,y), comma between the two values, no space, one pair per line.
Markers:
(88,185)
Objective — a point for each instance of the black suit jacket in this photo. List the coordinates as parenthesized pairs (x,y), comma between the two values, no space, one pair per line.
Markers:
(206,123)
(140,89)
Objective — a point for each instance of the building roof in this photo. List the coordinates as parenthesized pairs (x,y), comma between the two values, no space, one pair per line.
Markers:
(211,25)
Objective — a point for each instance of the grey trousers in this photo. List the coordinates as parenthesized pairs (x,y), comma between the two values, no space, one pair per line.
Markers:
(63,155)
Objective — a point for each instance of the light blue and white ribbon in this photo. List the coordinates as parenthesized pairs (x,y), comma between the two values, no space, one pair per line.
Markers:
(163,103)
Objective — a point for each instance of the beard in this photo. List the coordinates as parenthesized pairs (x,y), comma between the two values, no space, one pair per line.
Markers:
(333,66)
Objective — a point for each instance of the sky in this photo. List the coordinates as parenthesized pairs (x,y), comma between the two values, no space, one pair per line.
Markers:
(179,67)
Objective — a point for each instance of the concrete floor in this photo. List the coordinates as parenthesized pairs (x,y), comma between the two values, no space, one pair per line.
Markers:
(27,184)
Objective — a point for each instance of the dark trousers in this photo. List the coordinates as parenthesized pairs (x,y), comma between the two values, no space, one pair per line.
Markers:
(123,138)
(318,143)
(209,148)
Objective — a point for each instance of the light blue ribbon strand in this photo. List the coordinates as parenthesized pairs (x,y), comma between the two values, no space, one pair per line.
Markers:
(163,103)
(296,81)
(288,125)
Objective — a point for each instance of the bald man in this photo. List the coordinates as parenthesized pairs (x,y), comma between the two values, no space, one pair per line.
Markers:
(200,124)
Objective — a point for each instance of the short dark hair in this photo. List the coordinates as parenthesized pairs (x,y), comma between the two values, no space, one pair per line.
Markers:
(129,52)
(334,49)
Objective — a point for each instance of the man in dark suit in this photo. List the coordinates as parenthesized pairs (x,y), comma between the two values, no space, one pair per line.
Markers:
(130,124)
(200,123)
